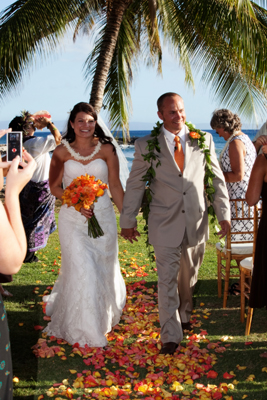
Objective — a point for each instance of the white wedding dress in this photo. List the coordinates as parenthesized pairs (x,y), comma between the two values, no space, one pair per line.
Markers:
(90,293)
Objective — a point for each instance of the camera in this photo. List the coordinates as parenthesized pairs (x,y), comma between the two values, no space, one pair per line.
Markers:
(14,145)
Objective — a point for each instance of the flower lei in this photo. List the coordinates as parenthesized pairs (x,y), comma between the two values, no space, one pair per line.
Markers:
(151,156)
(77,155)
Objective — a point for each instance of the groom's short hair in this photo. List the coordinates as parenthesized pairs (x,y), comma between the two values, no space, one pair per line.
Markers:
(161,99)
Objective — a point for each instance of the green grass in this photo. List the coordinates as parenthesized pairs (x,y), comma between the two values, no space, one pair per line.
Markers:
(37,375)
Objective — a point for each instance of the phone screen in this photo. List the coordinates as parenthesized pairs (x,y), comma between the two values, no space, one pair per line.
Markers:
(14,145)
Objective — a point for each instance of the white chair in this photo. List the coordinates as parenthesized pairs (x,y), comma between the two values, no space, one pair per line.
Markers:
(234,250)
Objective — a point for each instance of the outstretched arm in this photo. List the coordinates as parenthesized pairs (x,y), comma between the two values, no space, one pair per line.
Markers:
(13,244)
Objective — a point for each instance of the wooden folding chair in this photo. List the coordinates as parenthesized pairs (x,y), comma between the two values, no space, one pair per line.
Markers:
(235,250)
(246,269)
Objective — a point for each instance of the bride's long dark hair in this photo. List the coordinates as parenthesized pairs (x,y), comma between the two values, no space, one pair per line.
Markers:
(69,134)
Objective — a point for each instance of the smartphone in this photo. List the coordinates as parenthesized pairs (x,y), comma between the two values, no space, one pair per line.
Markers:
(14,145)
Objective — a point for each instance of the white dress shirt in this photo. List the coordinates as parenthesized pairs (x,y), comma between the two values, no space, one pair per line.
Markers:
(39,148)
(170,139)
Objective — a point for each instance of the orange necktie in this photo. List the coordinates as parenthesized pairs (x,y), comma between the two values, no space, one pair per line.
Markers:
(178,153)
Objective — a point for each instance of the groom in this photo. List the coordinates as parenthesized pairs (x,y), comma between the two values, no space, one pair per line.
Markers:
(178,218)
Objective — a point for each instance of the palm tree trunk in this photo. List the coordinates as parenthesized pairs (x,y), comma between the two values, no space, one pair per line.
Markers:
(114,19)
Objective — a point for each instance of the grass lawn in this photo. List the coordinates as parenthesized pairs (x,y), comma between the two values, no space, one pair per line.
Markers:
(215,361)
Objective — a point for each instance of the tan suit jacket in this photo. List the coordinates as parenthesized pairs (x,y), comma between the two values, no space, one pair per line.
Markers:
(178,203)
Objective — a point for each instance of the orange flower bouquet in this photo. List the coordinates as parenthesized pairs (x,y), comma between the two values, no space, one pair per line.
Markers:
(83,192)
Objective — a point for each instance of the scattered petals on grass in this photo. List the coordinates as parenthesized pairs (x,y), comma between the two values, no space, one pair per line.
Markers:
(240,368)
(15,379)
(130,366)
(38,327)
(212,374)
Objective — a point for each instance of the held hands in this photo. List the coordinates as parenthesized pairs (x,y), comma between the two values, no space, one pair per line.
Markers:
(17,178)
(130,234)
(225,225)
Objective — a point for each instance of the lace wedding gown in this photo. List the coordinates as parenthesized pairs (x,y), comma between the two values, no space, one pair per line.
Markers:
(89,294)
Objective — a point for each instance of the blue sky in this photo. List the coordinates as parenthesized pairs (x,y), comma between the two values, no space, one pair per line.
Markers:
(56,84)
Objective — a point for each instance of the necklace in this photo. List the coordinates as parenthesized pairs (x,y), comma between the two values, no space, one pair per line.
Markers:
(152,157)
(76,155)
(225,147)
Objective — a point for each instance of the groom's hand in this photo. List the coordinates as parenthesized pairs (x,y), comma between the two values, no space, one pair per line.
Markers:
(130,234)
(225,225)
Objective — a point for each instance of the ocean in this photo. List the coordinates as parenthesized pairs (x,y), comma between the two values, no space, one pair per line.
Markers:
(128,150)
(219,143)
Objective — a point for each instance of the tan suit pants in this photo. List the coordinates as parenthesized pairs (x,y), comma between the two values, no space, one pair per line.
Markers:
(190,263)
(171,261)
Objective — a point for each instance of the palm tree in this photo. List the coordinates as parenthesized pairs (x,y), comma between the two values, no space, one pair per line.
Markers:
(225,39)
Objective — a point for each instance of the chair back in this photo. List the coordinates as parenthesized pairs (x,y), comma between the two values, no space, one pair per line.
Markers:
(243,224)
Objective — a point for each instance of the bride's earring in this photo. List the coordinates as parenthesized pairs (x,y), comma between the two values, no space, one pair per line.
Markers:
(95,139)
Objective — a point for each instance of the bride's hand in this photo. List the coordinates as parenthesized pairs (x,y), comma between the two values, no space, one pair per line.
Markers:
(87,213)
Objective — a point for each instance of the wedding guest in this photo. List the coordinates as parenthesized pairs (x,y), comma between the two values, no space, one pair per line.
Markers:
(236,160)
(89,295)
(257,188)
(12,251)
(36,201)
(261,138)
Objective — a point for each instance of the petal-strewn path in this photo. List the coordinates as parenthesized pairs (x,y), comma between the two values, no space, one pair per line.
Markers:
(130,366)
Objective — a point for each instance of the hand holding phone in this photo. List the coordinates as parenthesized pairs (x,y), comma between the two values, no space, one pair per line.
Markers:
(14,145)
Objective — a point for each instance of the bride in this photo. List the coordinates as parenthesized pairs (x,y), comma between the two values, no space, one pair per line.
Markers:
(89,294)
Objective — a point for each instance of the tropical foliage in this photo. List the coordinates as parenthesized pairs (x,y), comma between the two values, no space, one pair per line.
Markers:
(224,40)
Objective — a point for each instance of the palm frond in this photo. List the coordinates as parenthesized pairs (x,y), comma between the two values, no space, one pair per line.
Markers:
(223,41)
(31,29)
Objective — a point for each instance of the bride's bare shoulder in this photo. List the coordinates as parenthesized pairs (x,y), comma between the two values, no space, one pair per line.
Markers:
(61,153)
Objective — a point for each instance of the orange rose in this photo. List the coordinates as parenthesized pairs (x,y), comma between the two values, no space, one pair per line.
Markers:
(195,135)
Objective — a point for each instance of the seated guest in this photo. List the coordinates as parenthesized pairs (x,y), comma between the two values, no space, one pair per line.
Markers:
(36,201)
(236,160)
(12,251)
(258,188)
(261,138)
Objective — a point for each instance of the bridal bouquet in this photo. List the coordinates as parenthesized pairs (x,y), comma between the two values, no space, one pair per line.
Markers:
(83,192)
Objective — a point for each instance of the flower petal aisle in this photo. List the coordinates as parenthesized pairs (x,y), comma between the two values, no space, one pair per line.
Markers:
(130,367)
